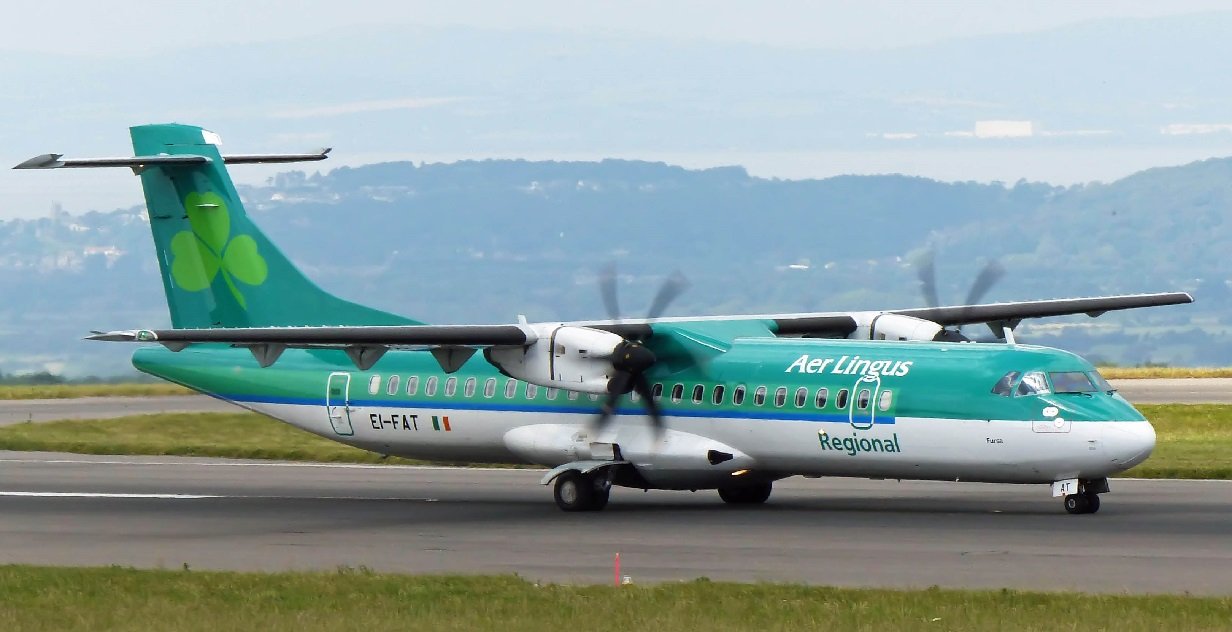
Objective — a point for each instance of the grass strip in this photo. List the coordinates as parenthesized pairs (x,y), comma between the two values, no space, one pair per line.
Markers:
(240,435)
(1193,439)
(41,598)
(70,391)
(1154,372)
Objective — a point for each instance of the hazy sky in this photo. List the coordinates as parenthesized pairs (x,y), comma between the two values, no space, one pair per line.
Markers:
(136,26)
(131,31)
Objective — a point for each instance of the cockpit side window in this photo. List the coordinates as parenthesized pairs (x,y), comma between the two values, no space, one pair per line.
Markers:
(1033,383)
(1005,386)
(1071,382)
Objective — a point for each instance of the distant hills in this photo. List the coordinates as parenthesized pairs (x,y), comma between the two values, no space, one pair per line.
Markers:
(485,241)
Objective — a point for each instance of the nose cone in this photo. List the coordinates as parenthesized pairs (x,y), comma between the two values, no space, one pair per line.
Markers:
(1129,442)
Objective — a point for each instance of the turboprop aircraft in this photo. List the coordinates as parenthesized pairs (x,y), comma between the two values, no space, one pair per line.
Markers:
(731,403)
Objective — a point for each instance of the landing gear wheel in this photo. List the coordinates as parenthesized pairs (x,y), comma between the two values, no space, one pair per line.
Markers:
(581,492)
(1082,503)
(755,494)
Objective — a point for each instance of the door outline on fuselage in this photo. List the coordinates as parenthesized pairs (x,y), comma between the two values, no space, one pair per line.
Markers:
(339,415)
(873,382)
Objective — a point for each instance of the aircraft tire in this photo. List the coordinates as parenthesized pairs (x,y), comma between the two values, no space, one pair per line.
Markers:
(1092,503)
(746,494)
(1079,504)
(577,492)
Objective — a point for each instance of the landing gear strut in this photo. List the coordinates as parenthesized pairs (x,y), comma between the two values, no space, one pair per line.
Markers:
(754,494)
(575,491)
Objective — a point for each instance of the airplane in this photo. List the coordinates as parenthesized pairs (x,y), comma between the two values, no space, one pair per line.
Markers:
(729,403)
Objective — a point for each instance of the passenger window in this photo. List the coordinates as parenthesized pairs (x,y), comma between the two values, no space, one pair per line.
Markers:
(801,397)
(1033,383)
(657,391)
(531,390)
(489,387)
(594,397)
(883,402)
(840,400)
(392,387)
(412,385)
(451,386)
(717,397)
(374,384)
(430,386)
(738,395)
(551,393)
(699,392)
(469,387)
(511,387)
(677,393)
(823,394)
(633,396)
(1005,386)
(780,396)
(573,395)
(759,395)
(862,400)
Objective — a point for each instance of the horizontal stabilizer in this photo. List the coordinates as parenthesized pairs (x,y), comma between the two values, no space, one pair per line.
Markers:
(56,161)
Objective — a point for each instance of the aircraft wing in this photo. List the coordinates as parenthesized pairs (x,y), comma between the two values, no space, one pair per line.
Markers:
(452,345)
(995,315)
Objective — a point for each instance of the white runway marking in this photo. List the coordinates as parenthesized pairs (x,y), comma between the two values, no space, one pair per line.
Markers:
(203,496)
(106,495)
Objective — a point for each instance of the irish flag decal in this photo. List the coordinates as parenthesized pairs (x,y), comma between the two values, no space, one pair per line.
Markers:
(437,422)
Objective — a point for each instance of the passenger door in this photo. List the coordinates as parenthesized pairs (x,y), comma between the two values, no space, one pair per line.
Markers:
(338,403)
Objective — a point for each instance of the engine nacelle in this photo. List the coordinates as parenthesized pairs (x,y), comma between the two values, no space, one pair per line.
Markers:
(573,358)
(896,327)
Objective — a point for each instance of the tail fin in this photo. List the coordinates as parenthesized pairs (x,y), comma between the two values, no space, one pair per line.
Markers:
(218,269)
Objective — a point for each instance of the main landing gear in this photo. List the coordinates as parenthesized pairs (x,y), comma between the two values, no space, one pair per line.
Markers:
(575,491)
(754,494)
(1085,503)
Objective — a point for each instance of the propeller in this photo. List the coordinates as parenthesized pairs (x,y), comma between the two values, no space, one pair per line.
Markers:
(631,359)
(988,276)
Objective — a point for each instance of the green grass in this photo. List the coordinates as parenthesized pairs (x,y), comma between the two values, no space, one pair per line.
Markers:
(235,435)
(69,391)
(38,598)
(1194,440)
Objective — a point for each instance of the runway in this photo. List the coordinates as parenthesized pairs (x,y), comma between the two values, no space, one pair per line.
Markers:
(1216,390)
(63,509)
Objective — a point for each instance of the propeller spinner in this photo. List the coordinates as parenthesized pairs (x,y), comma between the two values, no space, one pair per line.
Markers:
(631,359)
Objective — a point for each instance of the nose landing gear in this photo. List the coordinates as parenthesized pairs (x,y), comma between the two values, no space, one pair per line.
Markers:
(1085,503)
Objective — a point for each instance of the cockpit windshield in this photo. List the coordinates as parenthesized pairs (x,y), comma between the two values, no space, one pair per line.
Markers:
(1101,383)
(1072,382)
(1005,386)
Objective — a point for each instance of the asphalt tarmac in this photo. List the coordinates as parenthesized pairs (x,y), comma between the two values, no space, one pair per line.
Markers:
(1149,537)
(1188,391)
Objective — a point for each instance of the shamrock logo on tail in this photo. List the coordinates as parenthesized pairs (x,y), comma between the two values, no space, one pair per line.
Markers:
(199,256)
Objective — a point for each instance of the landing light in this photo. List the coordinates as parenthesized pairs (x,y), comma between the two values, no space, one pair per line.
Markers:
(739,472)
